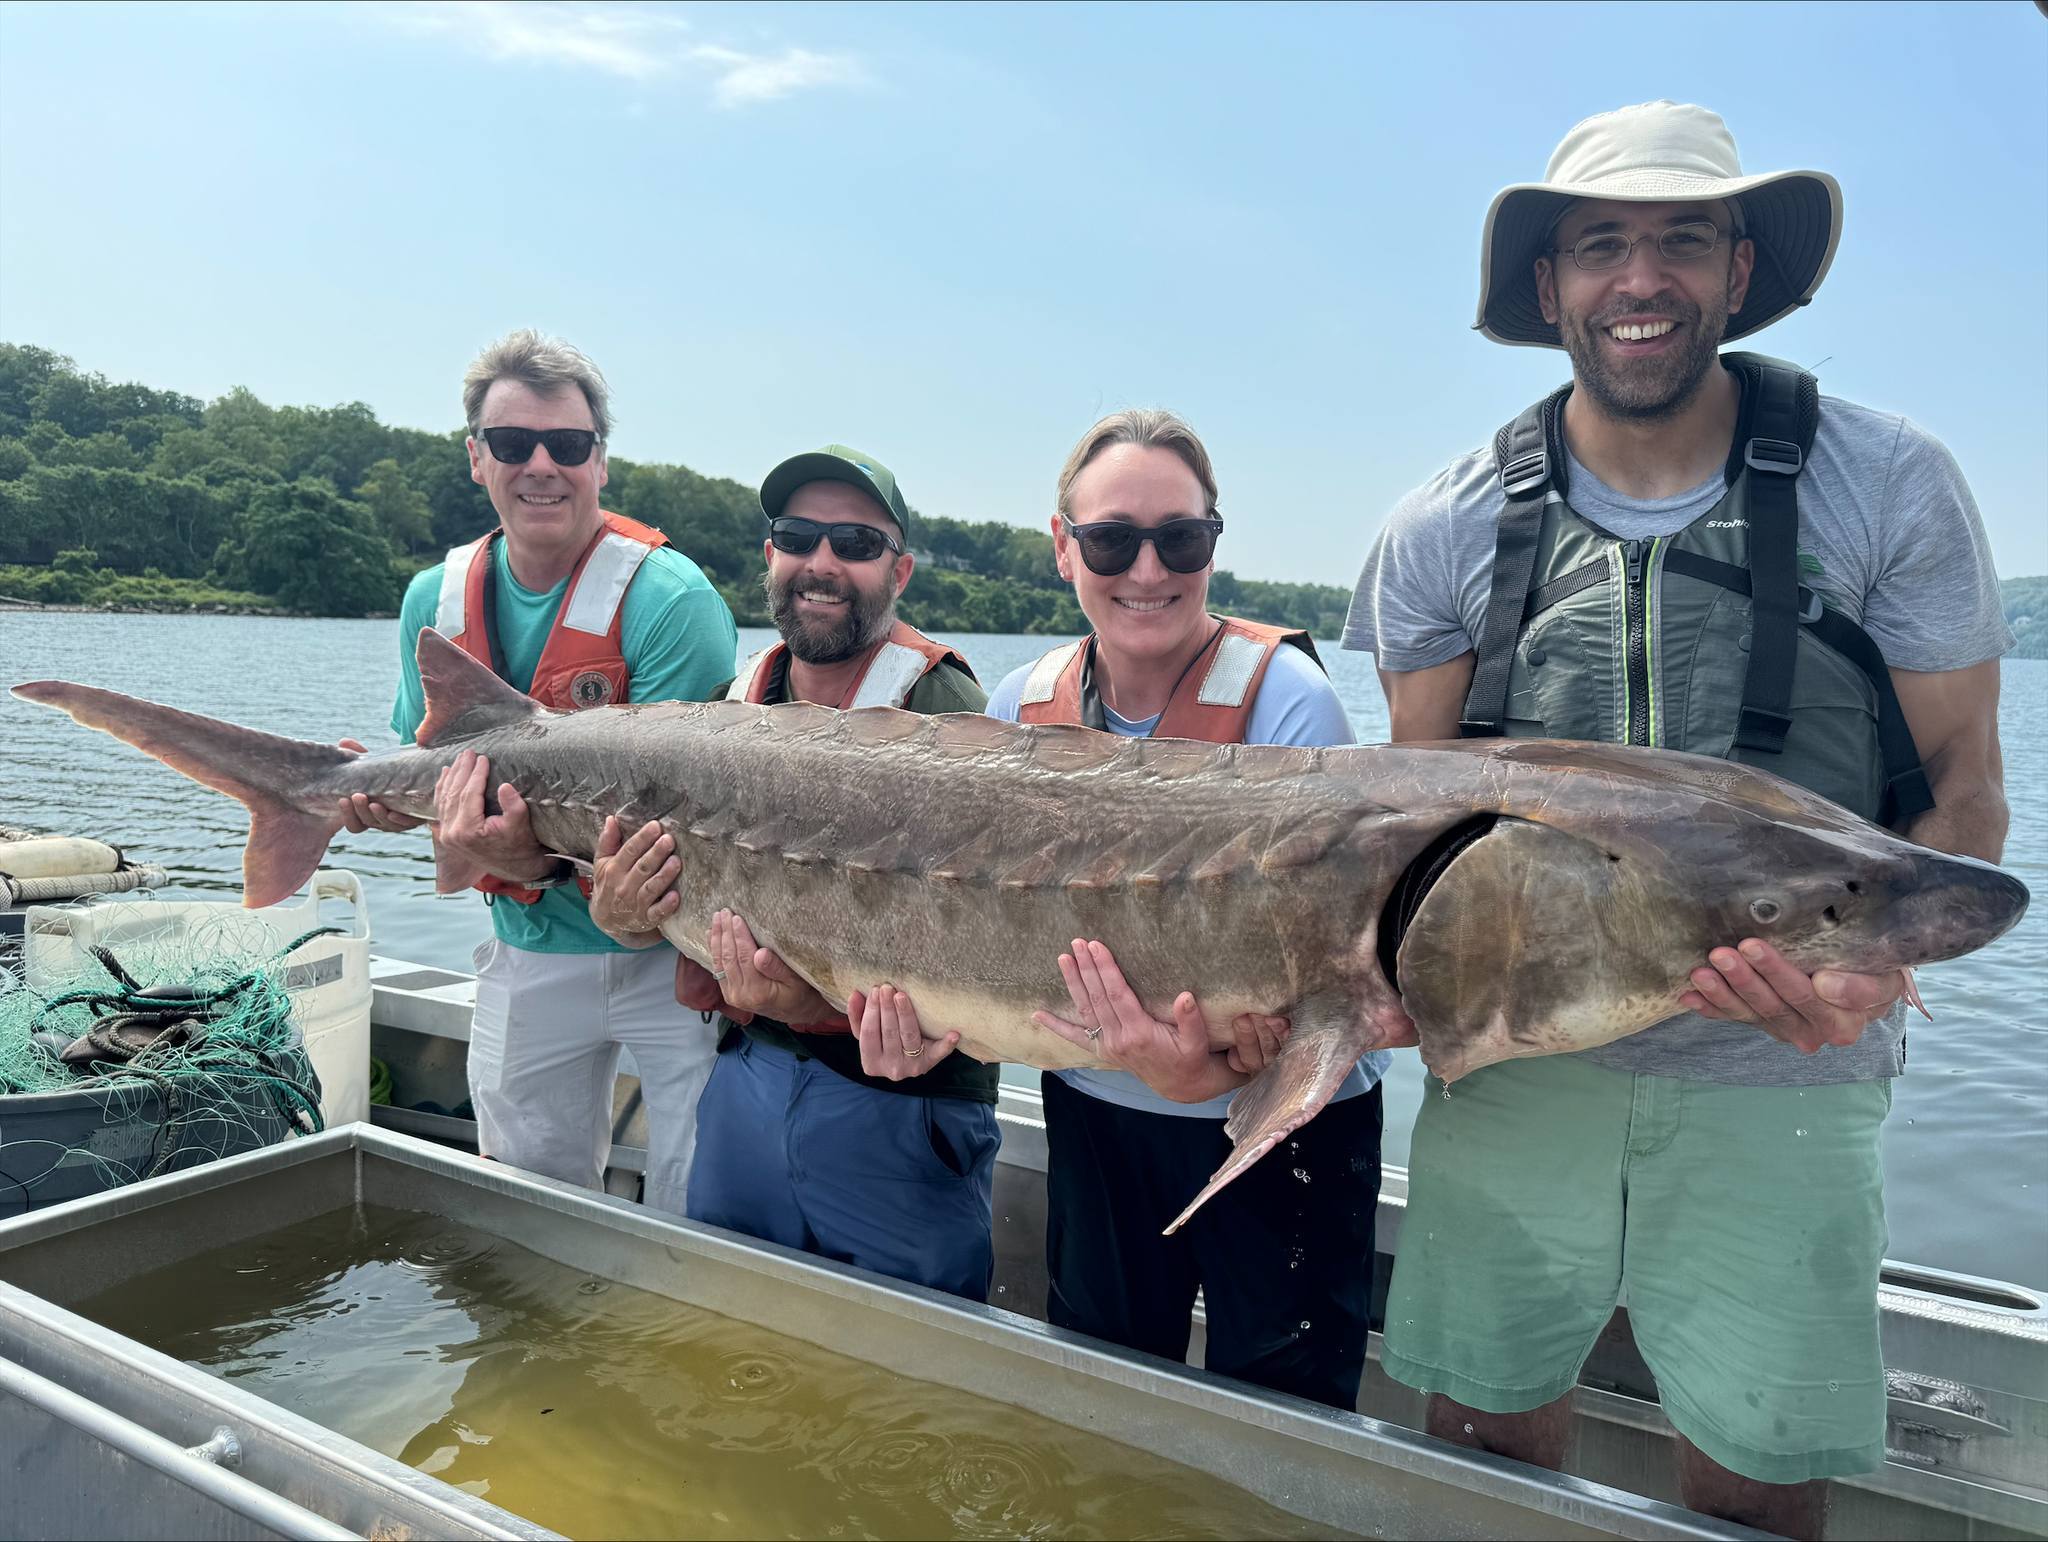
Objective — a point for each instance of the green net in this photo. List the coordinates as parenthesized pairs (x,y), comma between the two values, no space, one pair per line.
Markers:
(165,1048)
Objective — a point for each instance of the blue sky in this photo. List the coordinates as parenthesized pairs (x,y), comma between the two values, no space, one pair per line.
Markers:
(952,235)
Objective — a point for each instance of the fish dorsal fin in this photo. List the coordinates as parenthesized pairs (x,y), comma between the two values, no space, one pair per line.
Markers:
(463,697)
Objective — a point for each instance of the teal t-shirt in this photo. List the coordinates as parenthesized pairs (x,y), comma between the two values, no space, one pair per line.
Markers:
(679,643)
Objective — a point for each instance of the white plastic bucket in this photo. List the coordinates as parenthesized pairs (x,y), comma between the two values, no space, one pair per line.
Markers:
(328,977)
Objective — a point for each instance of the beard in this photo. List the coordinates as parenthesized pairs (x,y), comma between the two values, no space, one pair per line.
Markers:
(1645,390)
(833,640)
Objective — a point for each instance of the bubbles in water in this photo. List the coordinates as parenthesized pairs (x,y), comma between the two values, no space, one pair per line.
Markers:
(891,1461)
(1798,1132)
(755,1377)
(1304,1325)
(1301,1175)
(447,1250)
(593,1287)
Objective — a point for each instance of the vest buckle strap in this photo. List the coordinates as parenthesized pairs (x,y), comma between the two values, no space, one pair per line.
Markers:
(1779,456)
(1809,606)
(1763,731)
(1525,473)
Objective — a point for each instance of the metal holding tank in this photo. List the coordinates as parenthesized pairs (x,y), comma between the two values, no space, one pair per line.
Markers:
(1343,1472)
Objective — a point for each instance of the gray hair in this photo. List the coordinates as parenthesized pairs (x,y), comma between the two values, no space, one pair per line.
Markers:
(545,364)
(1151,428)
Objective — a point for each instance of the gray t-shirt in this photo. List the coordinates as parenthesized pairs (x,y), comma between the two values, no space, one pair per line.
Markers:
(1888,532)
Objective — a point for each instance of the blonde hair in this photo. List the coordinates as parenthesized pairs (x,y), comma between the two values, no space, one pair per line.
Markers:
(547,365)
(1151,428)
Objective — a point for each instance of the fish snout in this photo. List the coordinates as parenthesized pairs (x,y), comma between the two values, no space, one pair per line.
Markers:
(1946,906)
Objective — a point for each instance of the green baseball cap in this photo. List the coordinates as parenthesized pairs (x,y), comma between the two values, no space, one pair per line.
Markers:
(836,463)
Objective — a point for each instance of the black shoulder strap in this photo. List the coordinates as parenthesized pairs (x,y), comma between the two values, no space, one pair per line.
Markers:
(1907,793)
(1780,408)
(1522,454)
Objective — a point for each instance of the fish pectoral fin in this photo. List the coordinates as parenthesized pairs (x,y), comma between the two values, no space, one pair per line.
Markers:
(452,874)
(1327,1038)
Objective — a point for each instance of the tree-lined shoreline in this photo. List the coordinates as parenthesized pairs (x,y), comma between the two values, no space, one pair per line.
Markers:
(121,496)
(126,497)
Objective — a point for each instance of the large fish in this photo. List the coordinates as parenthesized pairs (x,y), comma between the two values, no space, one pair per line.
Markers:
(1515,898)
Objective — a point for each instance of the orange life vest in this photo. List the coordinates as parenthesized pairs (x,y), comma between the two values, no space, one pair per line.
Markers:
(902,659)
(583,662)
(1213,701)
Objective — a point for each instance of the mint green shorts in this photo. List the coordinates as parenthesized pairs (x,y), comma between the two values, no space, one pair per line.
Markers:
(1746,1225)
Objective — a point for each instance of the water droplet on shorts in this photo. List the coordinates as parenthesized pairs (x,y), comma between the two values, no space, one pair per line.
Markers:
(1304,1325)
(1798,1132)
(1834,1386)
(1301,1175)
(1468,1429)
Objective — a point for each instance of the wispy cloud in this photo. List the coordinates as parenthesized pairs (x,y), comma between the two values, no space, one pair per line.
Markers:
(627,42)
(745,78)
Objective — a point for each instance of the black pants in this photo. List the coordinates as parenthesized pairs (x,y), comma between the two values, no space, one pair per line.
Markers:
(1283,1256)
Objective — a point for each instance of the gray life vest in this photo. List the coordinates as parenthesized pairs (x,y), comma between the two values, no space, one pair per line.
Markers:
(1706,640)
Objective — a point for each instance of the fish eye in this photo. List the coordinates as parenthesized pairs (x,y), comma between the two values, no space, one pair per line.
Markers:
(1765,910)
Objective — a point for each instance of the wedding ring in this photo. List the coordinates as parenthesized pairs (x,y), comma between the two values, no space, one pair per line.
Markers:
(912,1054)
(718,974)
(1093,1034)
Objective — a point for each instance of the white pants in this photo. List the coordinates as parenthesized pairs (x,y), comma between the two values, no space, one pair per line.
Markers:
(544,1049)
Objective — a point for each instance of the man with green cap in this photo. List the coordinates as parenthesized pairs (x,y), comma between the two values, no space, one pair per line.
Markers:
(850,1142)
(1695,550)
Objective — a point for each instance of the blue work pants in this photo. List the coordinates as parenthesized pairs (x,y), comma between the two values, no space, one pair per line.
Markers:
(790,1151)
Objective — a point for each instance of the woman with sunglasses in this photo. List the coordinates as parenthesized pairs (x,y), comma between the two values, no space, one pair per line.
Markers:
(1284,1255)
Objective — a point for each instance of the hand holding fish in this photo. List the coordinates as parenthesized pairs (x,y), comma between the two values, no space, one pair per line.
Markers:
(360,813)
(500,843)
(1173,1058)
(892,1043)
(633,882)
(756,979)
(1755,984)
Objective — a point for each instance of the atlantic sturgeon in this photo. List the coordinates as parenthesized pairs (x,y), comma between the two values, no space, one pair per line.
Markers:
(1513,897)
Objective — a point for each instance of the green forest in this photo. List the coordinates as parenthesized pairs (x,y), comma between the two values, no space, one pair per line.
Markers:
(129,496)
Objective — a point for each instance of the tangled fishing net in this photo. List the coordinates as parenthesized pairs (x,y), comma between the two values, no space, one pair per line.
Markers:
(177,1039)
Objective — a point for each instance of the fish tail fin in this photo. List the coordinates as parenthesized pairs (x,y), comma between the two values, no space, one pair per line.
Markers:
(265,772)
(1324,1044)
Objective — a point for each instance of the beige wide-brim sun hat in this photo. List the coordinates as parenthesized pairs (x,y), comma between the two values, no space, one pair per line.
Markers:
(1658,152)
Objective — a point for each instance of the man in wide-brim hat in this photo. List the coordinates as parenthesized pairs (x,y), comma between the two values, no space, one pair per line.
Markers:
(1693,550)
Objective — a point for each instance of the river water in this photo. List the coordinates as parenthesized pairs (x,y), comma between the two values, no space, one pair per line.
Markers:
(1966,1149)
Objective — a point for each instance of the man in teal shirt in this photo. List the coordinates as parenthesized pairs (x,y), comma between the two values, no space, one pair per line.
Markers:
(579,608)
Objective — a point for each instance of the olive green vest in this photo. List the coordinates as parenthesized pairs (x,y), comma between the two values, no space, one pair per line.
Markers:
(1651,642)
(1644,654)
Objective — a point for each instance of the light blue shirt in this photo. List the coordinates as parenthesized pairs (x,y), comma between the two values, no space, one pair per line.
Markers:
(1296,705)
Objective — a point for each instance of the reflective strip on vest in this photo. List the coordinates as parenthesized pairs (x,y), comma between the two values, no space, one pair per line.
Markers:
(1044,678)
(890,675)
(601,587)
(743,687)
(1230,674)
(449,616)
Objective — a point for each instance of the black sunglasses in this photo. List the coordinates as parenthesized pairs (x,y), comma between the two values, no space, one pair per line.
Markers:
(850,543)
(566,446)
(1110,546)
